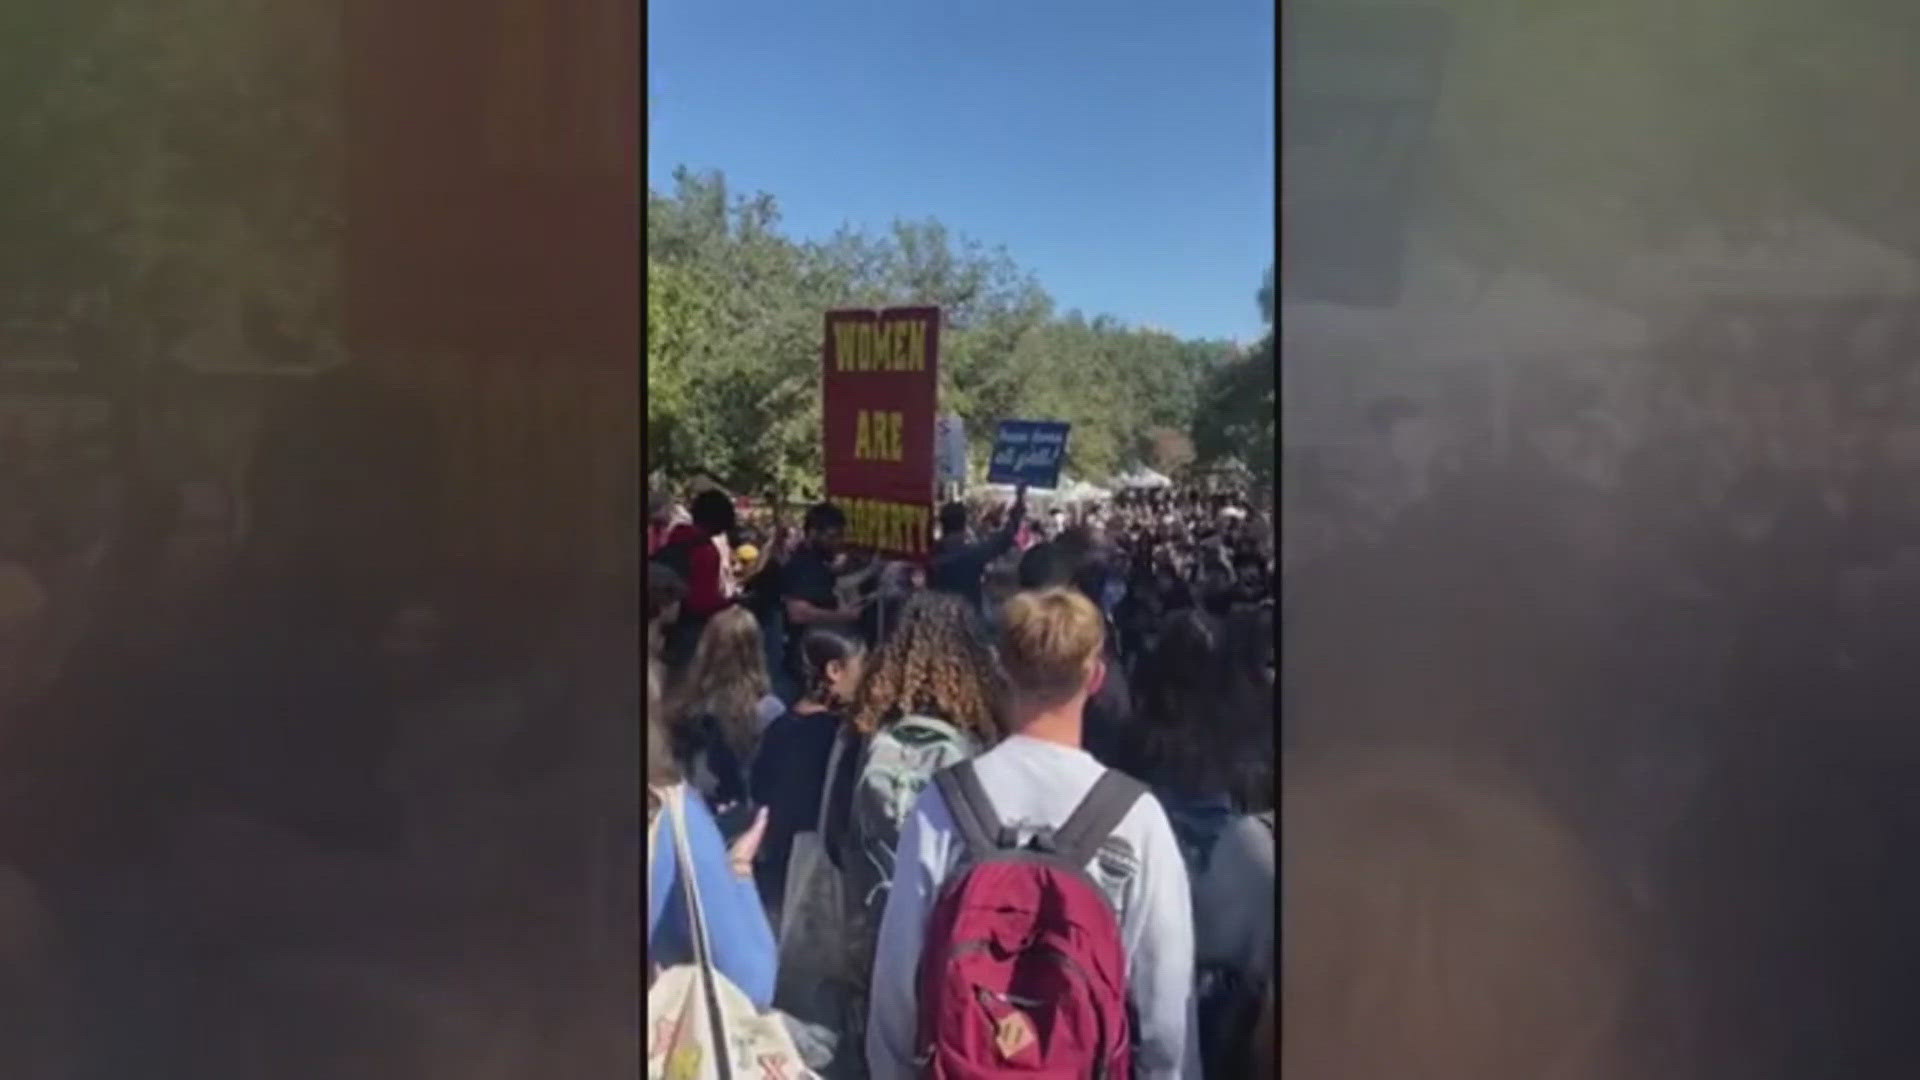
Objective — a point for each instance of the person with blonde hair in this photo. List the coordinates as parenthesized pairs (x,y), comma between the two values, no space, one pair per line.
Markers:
(1437,923)
(1038,795)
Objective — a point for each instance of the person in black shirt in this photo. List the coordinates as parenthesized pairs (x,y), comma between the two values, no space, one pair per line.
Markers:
(760,593)
(790,773)
(959,564)
(807,591)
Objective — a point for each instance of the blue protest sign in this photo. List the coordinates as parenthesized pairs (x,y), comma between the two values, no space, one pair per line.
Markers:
(1028,452)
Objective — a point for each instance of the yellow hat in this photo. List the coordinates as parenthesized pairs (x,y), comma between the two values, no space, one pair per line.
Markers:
(746,553)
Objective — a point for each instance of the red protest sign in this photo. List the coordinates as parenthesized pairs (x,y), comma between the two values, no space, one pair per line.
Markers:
(879,380)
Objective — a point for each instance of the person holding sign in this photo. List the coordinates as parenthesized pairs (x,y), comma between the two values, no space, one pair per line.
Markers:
(959,564)
(808,590)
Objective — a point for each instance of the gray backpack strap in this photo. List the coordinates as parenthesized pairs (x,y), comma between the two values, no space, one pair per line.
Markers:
(1094,820)
(972,811)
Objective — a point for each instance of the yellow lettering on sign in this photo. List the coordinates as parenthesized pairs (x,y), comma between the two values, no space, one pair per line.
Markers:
(845,338)
(916,345)
(922,522)
(887,526)
(893,345)
(879,436)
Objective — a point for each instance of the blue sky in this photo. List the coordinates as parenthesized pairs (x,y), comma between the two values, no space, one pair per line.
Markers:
(1122,151)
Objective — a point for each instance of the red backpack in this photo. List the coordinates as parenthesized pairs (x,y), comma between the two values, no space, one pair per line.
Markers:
(1024,973)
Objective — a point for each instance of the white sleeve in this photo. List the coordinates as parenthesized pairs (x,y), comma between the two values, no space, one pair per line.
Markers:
(771,708)
(1158,935)
(893,1000)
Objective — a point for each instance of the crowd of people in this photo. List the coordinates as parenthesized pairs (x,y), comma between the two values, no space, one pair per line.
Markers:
(1070,711)
(309,798)
(1620,723)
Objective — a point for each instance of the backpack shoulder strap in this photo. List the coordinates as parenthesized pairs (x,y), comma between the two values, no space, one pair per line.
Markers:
(973,813)
(1096,817)
(934,724)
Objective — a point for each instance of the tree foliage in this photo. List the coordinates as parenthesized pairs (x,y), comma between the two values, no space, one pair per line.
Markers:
(735,317)
(1234,415)
(1569,138)
(174,173)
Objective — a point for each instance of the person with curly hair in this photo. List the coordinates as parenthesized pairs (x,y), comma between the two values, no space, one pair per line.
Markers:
(936,662)
(929,698)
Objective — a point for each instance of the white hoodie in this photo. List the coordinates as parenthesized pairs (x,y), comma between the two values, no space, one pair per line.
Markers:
(1035,784)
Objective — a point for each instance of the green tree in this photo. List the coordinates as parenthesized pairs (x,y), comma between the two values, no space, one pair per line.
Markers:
(736,312)
(743,351)
(1234,419)
(174,172)
(1571,138)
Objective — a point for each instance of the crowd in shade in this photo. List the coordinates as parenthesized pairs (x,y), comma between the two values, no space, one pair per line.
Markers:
(305,799)
(1069,711)
(1616,715)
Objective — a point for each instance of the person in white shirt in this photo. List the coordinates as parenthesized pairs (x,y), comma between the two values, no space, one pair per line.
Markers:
(1051,647)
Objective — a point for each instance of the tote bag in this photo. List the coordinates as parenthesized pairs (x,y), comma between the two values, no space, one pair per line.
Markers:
(813,919)
(699,1025)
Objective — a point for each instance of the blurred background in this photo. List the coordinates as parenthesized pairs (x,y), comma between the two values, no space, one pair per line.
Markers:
(1601,448)
(319,473)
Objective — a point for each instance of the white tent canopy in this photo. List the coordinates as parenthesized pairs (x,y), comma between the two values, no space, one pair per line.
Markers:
(1081,491)
(1070,490)
(1142,478)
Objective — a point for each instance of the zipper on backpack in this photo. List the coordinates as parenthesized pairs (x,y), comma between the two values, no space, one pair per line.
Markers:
(988,997)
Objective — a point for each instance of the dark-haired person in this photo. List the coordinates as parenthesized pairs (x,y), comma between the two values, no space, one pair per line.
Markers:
(691,553)
(809,593)
(928,697)
(665,593)
(1250,579)
(660,514)
(1205,747)
(760,594)
(790,772)
(959,562)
